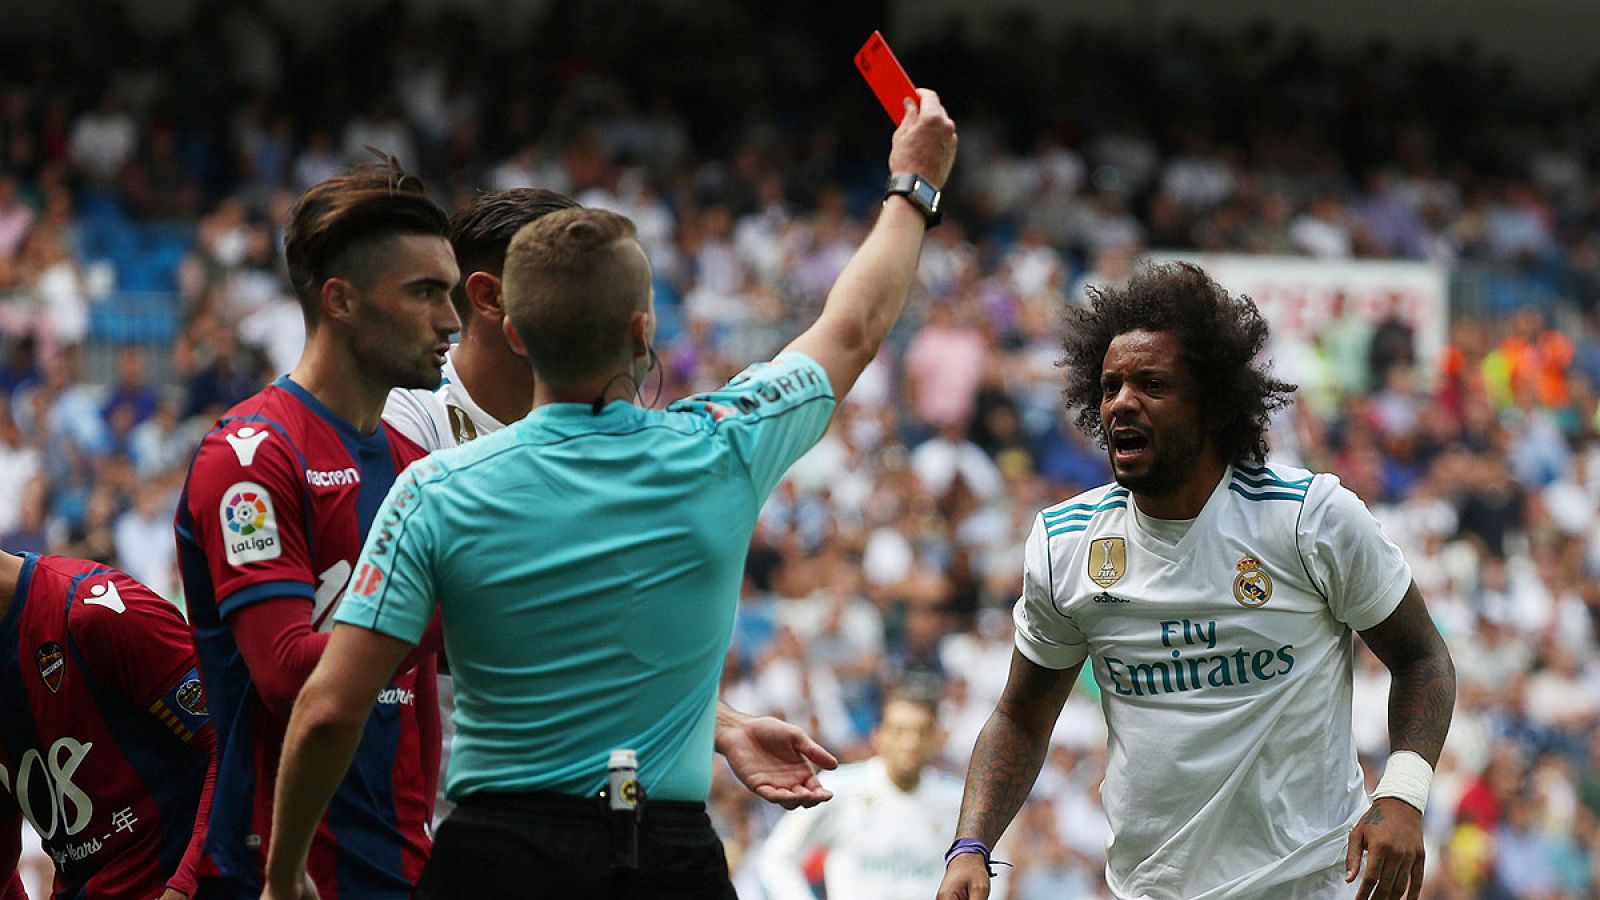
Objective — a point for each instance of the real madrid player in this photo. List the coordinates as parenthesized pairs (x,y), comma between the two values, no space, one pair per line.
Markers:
(278,500)
(486,385)
(1215,597)
(106,745)
(887,825)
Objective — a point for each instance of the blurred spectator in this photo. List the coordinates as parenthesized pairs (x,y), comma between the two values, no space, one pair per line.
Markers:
(158,183)
(19,462)
(944,366)
(21,368)
(131,393)
(103,139)
(1323,230)
(1523,855)
(379,129)
(47,263)
(140,534)
(16,217)
(1487,798)
(948,462)
(1393,343)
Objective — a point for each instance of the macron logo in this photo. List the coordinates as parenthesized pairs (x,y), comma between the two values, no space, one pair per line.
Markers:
(106,595)
(333,477)
(245,442)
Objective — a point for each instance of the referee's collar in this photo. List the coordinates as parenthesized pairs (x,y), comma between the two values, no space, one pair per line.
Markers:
(564,415)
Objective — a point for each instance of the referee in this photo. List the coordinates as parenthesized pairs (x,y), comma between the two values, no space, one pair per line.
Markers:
(586,561)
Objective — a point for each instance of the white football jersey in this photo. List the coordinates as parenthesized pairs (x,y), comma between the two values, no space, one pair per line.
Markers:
(440,418)
(883,843)
(1224,666)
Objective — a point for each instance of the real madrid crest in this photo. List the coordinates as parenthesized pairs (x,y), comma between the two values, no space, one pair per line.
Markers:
(1252,587)
(1108,560)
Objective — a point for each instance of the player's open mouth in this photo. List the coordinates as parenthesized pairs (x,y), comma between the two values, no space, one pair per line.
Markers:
(1128,445)
(439,355)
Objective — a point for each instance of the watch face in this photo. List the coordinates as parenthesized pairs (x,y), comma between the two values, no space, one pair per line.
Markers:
(921,194)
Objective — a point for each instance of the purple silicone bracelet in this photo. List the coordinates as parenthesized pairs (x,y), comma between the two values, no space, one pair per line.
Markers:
(967,845)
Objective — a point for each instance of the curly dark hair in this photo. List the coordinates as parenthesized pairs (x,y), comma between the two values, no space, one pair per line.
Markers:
(1221,337)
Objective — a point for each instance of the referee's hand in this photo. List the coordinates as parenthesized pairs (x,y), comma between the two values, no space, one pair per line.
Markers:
(925,142)
(777,761)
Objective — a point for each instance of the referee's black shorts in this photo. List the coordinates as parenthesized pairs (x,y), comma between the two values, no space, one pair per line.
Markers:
(557,847)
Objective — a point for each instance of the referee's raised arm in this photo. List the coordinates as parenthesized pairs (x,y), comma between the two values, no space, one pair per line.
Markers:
(871,291)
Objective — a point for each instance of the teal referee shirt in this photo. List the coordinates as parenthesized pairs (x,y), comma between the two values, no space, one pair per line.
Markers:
(587,567)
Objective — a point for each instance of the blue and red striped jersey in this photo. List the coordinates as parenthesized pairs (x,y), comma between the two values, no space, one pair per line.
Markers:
(278,502)
(105,738)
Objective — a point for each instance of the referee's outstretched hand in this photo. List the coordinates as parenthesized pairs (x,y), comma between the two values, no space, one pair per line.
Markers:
(1391,835)
(777,761)
(925,142)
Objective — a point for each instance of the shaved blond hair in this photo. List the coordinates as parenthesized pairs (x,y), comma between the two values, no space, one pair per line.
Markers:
(572,282)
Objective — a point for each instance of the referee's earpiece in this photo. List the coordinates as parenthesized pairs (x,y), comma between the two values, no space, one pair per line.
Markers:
(661,374)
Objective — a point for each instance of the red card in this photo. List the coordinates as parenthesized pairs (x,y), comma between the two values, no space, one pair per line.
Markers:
(888,80)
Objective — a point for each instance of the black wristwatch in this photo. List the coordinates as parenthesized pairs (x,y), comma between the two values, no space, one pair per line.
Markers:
(920,192)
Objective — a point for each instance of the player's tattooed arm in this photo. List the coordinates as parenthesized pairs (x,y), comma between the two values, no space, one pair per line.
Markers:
(1422,691)
(1012,747)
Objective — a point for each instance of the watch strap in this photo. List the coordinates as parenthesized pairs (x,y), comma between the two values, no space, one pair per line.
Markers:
(920,193)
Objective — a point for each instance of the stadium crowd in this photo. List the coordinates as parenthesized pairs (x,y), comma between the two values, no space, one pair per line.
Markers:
(892,552)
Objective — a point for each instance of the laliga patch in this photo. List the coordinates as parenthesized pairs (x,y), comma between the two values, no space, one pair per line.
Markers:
(52,665)
(249,525)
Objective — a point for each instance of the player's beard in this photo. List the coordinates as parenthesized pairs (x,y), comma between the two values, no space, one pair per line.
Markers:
(395,367)
(390,358)
(1173,457)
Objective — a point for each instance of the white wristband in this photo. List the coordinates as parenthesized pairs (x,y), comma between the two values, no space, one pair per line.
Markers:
(1407,777)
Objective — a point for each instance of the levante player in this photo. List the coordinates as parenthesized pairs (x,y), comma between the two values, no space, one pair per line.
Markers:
(278,501)
(106,747)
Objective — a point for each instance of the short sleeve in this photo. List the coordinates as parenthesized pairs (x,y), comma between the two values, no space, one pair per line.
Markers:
(1043,633)
(137,644)
(416,414)
(392,591)
(1360,572)
(245,502)
(771,413)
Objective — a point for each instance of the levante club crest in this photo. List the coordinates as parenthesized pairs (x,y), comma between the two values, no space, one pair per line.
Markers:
(1252,587)
(52,665)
